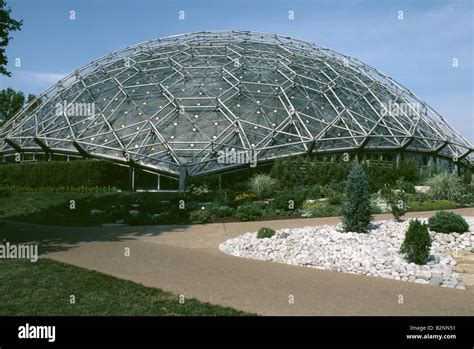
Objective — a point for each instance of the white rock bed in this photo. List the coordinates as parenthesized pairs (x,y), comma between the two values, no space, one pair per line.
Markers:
(373,254)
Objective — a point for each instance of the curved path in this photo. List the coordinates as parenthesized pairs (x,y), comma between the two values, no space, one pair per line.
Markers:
(185,260)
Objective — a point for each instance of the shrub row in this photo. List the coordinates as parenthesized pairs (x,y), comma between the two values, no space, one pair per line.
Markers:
(431,205)
(306,172)
(77,173)
(81,189)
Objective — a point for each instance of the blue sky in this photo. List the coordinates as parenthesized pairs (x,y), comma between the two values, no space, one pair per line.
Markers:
(417,51)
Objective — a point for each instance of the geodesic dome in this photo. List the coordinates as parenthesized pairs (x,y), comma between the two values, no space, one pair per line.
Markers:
(175,103)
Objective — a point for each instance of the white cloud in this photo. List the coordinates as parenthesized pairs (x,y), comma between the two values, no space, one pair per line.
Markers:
(40,78)
(32,81)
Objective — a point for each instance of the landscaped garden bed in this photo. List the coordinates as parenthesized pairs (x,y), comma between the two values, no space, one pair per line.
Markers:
(290,188)
(376,253)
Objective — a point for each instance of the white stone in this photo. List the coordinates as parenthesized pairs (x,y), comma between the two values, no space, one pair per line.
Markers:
(376,253)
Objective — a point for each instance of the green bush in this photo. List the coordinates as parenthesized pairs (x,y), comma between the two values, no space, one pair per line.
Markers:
(447,222)
(431,205)
(356,214)
(264,233)
(417,243)
(263,185)
(407,187)
(136,219)
(308,172)
(395,199)
(418,197)
(314,192)
(221,211)
(466,200)
(222,198)
(320,209)
(374,209)
(4,193)
(77,173)
(334,187)
(335,198)
(444,186)
(288,200)
(408,171)
(249,212)
(332,191)
(379,174)
(200,216)
(467,177)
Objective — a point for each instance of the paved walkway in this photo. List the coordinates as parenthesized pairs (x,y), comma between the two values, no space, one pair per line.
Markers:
(185,260)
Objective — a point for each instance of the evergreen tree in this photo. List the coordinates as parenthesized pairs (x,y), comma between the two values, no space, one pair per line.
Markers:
(356,215)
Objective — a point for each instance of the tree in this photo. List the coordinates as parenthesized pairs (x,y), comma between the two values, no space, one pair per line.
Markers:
(356,215)
(7,25)
(11,102)
(395,198)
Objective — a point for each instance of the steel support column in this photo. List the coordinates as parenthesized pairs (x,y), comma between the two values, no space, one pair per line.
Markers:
(182,178)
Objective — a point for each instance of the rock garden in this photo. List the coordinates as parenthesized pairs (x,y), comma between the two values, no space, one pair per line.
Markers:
(421,250)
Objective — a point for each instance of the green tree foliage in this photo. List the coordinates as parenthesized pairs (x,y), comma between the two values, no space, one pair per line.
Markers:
(356,215)
(417,243)
(11,102)
(7,25)
(467,177)
(448,222)
(307,172)
(395,199)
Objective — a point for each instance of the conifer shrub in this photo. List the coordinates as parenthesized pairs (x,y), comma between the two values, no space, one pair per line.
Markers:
(417,243)
(356,210)
(448,222)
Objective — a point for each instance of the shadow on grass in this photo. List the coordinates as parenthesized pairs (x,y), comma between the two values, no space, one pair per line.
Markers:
(60,238)
(47,218)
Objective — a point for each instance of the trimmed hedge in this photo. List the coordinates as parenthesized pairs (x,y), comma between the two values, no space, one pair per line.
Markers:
(77,173)
(306,172)
(431,205)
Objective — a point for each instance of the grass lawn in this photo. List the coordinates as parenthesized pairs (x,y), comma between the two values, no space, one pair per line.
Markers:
(40,207)
(19,204)
(44,289)
(54,208)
